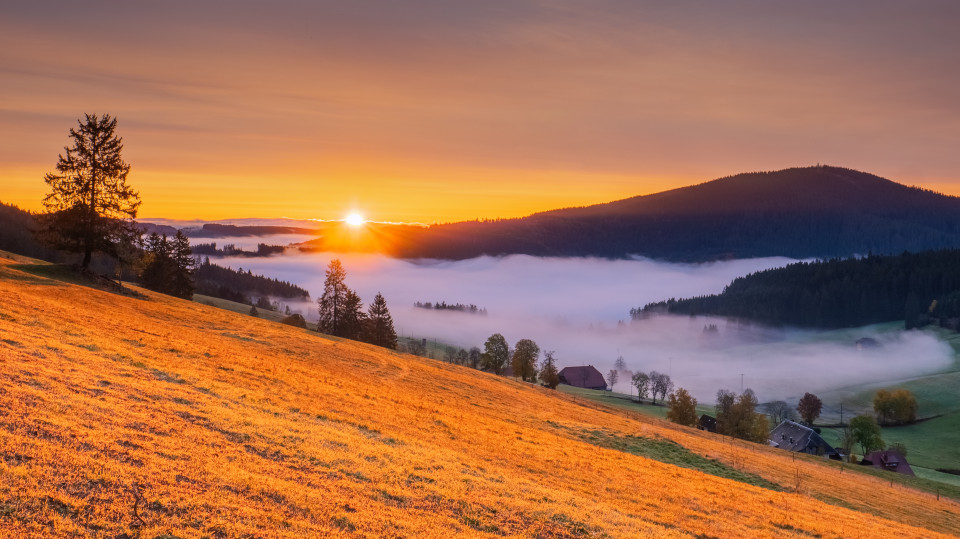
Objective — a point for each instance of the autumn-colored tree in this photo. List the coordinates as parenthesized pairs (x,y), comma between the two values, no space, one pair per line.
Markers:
(90,207)
(548,373)
(378,327)
(809,408)
(524,361)
(866,432)
(895,407)
(683,408)
(737,416)
(495,354)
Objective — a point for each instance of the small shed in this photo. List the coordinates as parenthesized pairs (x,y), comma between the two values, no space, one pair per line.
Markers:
(793,436)
(889,460)
(586,376)
(707,423)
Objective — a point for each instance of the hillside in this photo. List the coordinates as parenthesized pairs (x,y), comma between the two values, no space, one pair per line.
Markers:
(151,416)
(832,294)
(799,213)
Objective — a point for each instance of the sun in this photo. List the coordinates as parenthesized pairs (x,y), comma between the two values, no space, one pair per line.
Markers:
(355,219)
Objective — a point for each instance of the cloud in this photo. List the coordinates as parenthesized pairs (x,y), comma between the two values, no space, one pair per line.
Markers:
(574,305)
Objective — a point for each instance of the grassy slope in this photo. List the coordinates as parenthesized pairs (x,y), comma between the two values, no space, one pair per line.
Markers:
(224,425)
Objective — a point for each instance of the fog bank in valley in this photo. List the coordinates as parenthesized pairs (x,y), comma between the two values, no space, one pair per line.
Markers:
(575,305)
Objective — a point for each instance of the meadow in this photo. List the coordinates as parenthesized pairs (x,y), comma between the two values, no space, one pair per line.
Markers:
(155,417)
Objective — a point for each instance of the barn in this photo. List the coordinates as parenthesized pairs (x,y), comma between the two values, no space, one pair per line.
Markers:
(587,377)
(800,438)
(889,460)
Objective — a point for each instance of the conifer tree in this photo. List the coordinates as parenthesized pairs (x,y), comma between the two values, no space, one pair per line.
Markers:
(354,318)
(159,269)
(379,329)
(182,284)
(332,303)
(90,207)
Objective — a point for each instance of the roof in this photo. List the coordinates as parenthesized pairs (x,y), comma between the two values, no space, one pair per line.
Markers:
(800,438)
(586,376)
(888,460)
(708,423)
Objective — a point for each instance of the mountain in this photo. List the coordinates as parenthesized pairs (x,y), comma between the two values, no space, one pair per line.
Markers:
(154,417)
(807,212)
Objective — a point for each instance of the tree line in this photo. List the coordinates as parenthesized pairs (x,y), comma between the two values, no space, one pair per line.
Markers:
(444,306)
(341,312)
(836,293)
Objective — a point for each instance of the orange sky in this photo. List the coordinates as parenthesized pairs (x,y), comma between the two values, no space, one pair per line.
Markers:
(433,110)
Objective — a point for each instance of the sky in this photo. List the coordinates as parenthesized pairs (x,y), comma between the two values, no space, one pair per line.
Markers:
(433,111)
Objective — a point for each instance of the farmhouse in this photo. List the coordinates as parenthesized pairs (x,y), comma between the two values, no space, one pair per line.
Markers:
(802,439)
(888,460)
(584,376)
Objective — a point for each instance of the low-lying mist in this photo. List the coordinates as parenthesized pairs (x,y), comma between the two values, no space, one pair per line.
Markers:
(575,307)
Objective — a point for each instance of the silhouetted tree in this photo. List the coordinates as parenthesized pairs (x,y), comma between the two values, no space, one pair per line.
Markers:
(641,381)
(378,328)
(183,263)
(612,377)
(779,411)
(683,408)
(353,316)
(495,354)
(809,408)
(333,302)
(524,360)
(474,356)
(90,207)
(660,384)
(548,373)
(159,266)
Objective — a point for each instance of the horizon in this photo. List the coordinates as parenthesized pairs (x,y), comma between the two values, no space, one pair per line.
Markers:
(453,112)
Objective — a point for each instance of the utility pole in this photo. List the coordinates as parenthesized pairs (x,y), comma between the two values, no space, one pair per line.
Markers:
(841,414)
(741,382)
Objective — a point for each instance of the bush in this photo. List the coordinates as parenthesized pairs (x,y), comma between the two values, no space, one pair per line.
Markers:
(295,320)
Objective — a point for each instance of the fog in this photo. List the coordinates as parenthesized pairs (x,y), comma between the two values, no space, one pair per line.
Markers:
(574,306)
(249,243)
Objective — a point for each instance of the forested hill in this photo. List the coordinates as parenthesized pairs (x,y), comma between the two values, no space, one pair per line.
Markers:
(837,293)
(813,212)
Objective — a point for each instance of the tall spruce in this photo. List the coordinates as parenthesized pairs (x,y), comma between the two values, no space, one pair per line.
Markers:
(184,263)
(354,319)
(379,329)
(90,207)
(159,267)
(332,304)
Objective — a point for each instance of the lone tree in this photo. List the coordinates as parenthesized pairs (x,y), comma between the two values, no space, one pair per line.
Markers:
(495,354)
(612,377)
(379,325)
(809,408)
(90,207)
(866,432)
(549,374)
(333,302)
(683,408)
(524,361)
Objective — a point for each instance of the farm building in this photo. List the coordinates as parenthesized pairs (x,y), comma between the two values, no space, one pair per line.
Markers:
(584,376)
(802,439)
(888,460)
(707,423)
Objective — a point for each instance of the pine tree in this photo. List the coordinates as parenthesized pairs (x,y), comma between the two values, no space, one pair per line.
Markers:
(332,303)
(159,269)
(379,329)
(182,284)
(353,317)
(90,207)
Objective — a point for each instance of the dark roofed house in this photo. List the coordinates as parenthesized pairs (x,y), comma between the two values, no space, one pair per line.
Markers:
(888,460)
(585,376)
(801,439)
(707,423)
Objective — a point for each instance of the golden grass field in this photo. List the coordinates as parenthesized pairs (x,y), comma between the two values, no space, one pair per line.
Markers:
(156,417)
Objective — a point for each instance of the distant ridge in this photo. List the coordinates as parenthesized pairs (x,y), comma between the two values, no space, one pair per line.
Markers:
(810,212)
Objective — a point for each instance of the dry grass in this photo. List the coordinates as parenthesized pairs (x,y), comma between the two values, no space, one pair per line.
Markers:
(158,416)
